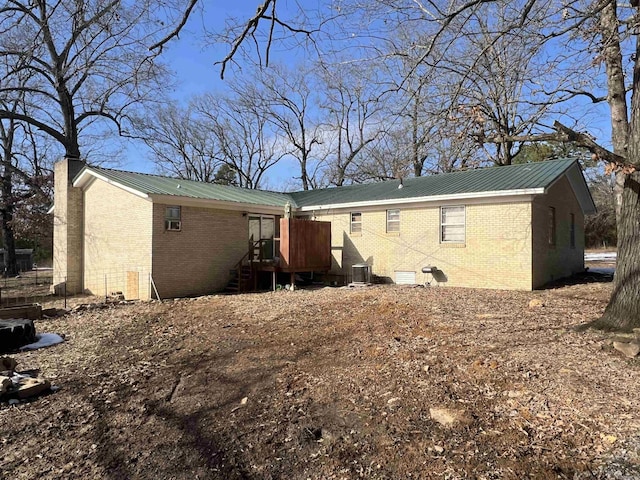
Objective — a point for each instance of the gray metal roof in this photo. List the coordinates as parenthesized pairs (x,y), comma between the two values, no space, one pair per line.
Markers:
(491,179)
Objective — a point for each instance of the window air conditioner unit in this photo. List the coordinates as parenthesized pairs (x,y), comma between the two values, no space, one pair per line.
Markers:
(361,273)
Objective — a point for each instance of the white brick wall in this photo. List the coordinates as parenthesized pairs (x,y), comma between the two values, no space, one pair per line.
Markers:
(117,240)
(496,253)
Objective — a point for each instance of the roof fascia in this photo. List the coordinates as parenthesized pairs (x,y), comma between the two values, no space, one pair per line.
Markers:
(220,204)
(579,186)
(86,177)
(582,191)
(525,192)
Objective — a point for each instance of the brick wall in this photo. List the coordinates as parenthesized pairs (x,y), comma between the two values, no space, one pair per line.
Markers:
(197,259)
(67,228)
(126,234)
(496,252)
(117,241)
(552,262)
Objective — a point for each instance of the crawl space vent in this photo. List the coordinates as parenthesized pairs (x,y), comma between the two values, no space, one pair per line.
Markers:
(406,278)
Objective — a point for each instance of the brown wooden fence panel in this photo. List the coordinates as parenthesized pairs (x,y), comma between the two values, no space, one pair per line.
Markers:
(305,245)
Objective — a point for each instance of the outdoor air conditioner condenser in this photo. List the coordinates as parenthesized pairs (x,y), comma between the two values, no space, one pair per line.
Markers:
(361,273)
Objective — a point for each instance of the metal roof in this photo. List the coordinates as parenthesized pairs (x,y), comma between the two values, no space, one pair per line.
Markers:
(157,185)
(492,179)
(530,178)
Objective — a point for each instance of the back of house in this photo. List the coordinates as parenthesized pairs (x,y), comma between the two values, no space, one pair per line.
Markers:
(513,227)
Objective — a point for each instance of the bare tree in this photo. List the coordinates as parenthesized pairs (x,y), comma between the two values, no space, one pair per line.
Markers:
(248,147)
(87,62)
(416,121)
(33,189)
(182,143)
(7,201)
(25,189)
(502,85)
(286,98)
(354,118)
(26,181)
(219,138)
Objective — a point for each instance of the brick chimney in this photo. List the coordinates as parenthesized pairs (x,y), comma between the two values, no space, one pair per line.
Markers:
(67,228)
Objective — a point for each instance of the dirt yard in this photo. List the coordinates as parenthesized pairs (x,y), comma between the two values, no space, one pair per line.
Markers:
(377,383)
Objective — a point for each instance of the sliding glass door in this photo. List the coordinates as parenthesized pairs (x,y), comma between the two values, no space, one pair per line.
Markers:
(262,227)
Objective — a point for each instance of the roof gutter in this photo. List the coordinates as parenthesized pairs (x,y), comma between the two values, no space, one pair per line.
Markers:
(211,203)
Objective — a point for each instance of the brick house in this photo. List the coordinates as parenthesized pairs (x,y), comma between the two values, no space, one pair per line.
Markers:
(514,227)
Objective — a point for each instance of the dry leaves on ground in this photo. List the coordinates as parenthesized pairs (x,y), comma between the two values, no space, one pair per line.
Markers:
(332,383)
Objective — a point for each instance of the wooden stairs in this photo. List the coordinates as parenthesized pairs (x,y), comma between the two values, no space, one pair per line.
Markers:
(240,279)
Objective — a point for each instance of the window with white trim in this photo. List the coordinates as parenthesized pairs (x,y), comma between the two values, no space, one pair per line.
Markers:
(172,220)
(393,220)
(452,224)
(356,222)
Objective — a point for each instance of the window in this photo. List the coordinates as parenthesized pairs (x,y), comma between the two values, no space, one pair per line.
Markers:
(393,220)
(452,224)
(356,222)
(552,226)
(572,230)
(172,219)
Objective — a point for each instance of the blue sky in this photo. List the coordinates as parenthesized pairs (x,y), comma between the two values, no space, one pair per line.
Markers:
(193,62)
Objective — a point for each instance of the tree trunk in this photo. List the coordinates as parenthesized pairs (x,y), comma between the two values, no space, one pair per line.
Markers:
(618,187)
(7,202)
(72,147)
(10,260)
(415,153)
(6,216)
(303,173)
(616,91)
(623,311)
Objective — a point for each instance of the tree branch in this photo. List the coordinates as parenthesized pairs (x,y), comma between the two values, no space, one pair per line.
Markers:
(584,140)
(563,134)
(251,26)
(176,31)
(32,121)
(577,93)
